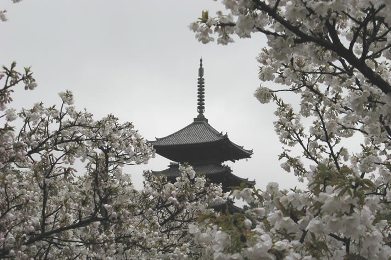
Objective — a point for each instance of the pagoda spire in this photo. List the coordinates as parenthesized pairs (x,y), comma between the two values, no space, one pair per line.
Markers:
(201,93)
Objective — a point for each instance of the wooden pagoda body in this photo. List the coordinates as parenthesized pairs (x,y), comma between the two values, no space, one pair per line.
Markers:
(203,147)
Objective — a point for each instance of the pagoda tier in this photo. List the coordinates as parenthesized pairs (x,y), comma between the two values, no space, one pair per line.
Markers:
(199,142)
(215,173)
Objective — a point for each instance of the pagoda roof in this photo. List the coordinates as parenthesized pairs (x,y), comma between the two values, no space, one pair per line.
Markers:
(206,169)
(217,173)
(194,133)
(201,137)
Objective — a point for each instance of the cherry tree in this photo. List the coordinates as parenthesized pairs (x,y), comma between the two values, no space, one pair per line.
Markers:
(335,56)
(64,192)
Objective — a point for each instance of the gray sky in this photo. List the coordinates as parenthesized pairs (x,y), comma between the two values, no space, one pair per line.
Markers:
(138,60)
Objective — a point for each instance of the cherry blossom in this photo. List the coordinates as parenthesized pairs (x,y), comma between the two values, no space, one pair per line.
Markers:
(65,192)
(333,55)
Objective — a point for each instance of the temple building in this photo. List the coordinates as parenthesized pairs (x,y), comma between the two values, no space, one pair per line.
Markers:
(203,147)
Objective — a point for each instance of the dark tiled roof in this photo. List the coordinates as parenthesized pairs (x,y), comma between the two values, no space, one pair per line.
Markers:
(217,173)
(207,169)
(199,133)
(195,133)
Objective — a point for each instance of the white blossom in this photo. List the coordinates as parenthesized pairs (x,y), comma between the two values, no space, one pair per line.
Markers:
(10,114)
(3,18)
(263,95)
(66,97)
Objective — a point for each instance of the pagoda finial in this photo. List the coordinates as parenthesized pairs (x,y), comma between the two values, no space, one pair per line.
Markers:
(201,70)
(201,92)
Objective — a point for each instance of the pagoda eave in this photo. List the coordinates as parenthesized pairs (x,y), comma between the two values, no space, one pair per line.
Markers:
(217,151)
(214,172)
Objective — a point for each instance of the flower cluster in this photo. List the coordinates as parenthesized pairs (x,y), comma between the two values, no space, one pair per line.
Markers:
(334,56)
(65,194)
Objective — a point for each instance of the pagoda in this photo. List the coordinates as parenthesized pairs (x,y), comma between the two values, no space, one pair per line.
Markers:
(203,147)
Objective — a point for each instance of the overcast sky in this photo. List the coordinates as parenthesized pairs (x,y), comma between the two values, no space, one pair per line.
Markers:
(139,61)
